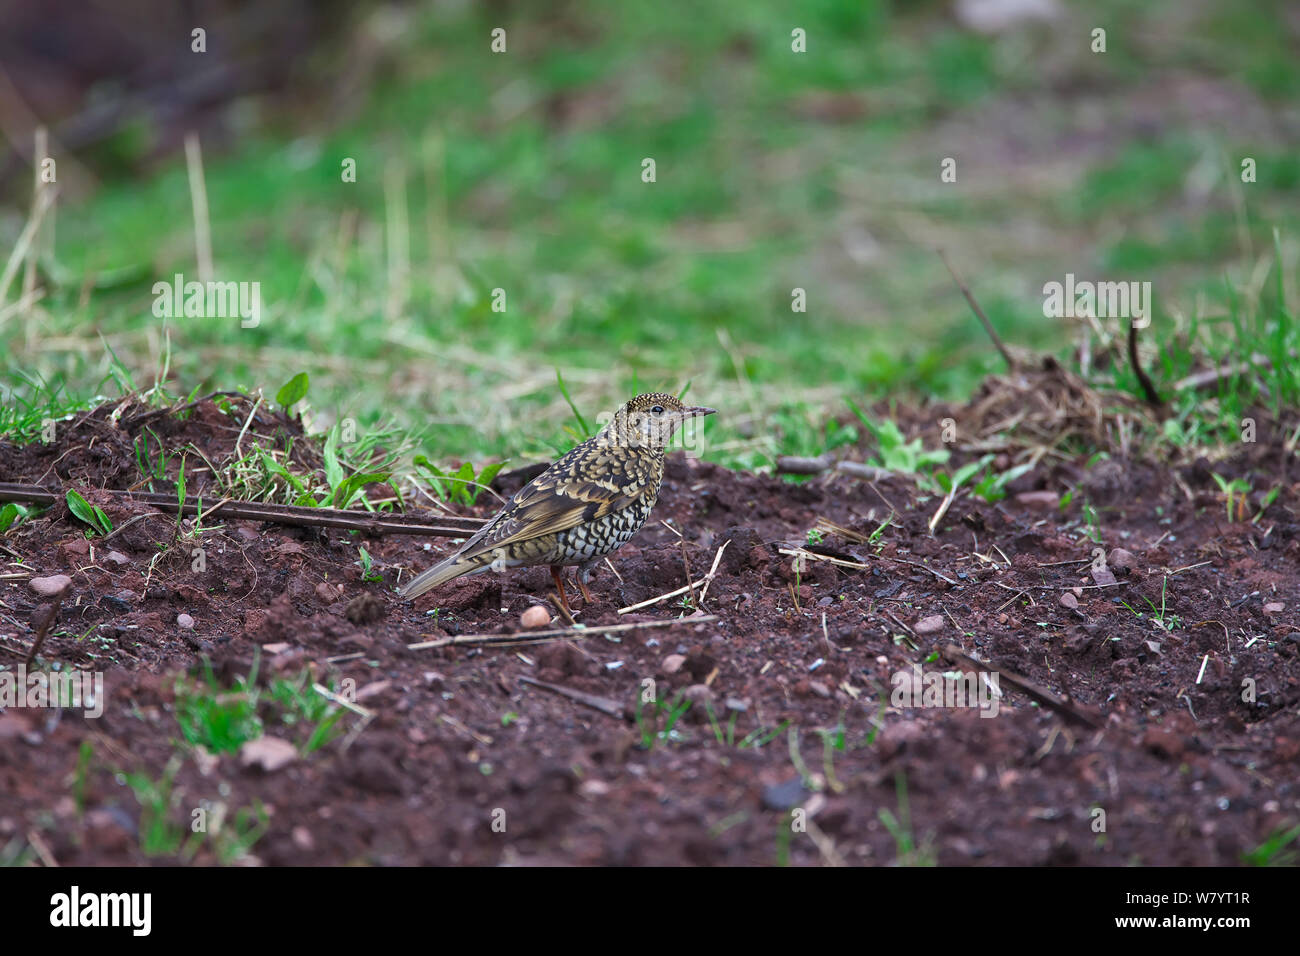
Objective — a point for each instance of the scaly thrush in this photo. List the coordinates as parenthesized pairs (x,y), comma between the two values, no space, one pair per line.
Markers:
(586,505)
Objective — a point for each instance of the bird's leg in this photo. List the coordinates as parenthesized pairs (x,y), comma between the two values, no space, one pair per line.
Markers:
(559,585)
(584,572)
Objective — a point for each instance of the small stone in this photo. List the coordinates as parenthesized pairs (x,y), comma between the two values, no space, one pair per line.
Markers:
(700,695)
(1039,500)
(783,796)
(117,557)
(373,689)
(1069,600)
(327,592)
(1123,559)
(1274,607)
(535,618)
(673,663)
(1003,618)
(303,839)
(51,586)
(185,621)
(269,753)
(594,788)
(818,688)
(929,625)
(1103,575)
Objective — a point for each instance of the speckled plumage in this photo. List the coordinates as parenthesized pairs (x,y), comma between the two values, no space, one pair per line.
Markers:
(586,505)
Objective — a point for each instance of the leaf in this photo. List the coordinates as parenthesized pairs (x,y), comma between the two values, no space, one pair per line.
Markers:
(354,483)
(292,391)
(464,475)
(967,471)
(80,507)
(102,522)
(333,470)
(564,390)
(486,475)
(435,473)
(275,468)
(9,514)
(87,513)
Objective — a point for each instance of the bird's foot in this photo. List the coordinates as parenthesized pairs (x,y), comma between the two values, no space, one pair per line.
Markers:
(559,587)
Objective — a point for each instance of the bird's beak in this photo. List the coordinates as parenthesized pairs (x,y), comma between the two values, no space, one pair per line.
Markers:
(697,411)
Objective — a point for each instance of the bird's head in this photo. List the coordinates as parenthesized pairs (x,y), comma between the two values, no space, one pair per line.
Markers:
(650,420)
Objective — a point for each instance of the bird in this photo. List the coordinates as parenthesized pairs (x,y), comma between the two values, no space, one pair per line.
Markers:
(584,506)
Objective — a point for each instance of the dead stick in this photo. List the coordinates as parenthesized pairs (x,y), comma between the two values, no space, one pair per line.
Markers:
(558,632)
(44,629)
(603,704)
(979,313)
(1148,389)
(301,516)
(1065,708)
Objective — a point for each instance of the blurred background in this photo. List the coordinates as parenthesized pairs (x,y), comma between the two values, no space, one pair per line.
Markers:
(522,171)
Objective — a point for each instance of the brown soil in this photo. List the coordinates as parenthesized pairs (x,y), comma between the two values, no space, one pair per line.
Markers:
(465,762)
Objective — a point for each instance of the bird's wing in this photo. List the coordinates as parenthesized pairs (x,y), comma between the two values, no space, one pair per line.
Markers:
(566,495)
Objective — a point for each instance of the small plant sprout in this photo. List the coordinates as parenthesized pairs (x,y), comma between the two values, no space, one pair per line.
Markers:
(461,486)
(1159,615)
(366,562)
(1238,488)
(92,515)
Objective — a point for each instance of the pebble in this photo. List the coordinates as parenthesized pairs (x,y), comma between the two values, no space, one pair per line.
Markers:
(1120,558)
(929,625)
(1103,575)
(269,753)
(699,695)
(117,557)
(1274,607)
(535,618)
(1040,500)
(783,796)
(185,621)
(1069,600)
(50,586)
(673,663)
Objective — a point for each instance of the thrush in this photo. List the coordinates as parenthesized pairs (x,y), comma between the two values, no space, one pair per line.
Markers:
(586,505)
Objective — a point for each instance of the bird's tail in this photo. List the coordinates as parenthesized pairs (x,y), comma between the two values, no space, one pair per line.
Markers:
(442,572)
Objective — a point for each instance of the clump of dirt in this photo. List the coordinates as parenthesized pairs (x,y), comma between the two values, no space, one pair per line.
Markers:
(1164,621)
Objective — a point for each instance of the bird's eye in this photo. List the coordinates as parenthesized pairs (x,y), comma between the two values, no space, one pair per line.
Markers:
(658,409)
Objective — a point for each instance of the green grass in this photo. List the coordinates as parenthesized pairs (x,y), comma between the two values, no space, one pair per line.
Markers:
(775,171)
(223,720)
